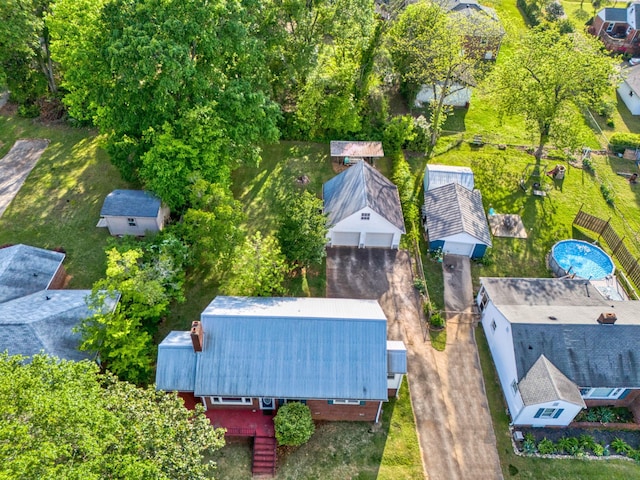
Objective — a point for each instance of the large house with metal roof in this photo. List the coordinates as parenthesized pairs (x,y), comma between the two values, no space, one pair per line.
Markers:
(259,353)
(618,28)
(363,209)
(132,212)
(454,219)
(36,315)
(560,345)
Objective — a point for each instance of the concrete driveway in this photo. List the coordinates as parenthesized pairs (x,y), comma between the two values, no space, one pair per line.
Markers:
(16,165)
(454,427)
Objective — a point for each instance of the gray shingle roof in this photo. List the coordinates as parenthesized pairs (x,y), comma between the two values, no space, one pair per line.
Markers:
(358,187)
(25,269)
(632,76)
(285,348)
(545,383)
(615,15)
(453,209)
(130,203)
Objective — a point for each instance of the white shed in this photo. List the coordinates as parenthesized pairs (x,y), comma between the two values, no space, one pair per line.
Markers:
(459,95)
(132,212)
(363,209)
(629,89)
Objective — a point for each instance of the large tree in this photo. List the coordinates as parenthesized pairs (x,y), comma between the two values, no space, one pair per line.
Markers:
(548,76)
(442,52)
(61,419)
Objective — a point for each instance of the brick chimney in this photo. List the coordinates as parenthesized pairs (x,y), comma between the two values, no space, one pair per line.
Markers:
(607,318)
(197,336)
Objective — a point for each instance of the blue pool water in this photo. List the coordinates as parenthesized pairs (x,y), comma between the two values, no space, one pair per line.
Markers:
(582,259)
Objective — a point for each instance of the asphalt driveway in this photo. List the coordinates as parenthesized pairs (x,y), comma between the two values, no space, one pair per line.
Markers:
(454,427)
(16,165)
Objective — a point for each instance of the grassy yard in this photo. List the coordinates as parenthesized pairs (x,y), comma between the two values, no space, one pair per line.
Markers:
(343,450)
(517,467)
(59,203)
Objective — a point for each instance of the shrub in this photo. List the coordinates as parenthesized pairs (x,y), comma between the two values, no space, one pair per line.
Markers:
(293,424)
(592,415)
(437,320)
(620,446)
(620,141)
(586,441)
(569,445)
(587,164)
(420,285)
(609,197)
(598,450)
(529,444)
(546,447)
(606,414)
(635,454)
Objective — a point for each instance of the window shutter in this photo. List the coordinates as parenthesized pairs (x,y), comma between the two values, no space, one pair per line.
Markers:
(558,413)
(362,403)
(330,402)
(624,394)
(538,413)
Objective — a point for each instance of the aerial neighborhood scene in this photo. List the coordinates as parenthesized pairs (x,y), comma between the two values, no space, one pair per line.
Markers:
(339,239)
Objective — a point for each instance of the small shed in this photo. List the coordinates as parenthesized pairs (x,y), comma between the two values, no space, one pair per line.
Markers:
(455,221)
(459,95)
(132,212)
(348,152)
(629,89)
(363,209)
(439,175)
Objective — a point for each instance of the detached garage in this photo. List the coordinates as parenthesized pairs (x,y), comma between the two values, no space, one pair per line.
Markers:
(629,89)
(363,209)
(455,221)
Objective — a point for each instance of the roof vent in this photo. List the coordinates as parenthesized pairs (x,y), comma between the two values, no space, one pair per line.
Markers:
(551,317)
(607,318)
(197,336)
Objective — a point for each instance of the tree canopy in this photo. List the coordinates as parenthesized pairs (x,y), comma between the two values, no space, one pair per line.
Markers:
(548,76)
(61,419)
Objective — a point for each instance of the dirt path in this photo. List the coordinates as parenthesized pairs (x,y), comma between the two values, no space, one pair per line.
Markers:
(16,165)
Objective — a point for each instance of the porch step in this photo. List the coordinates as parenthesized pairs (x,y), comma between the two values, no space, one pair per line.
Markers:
(264,456)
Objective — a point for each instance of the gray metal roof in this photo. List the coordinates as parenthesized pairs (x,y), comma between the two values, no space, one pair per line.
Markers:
(130,203)
(44,321)
(396,357)
(615,15)
(287,348)
(25,269)
(545,383)
(439,175)
(341,148)
(358,187)
(176,369)
(453,209)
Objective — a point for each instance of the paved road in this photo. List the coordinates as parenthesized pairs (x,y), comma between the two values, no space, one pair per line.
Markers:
(456,437)
(16,165)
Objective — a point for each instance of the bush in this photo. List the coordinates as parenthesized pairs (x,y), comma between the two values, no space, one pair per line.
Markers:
(620,141)
(420,285)
(437,320)
(587,164)
(598,450)
(294,424)
(586,441)
(546,447)
(609,197)
(620,446)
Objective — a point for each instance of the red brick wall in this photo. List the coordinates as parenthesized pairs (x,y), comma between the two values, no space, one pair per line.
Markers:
(321,410)
(597,24)
(632,398)
(58,280)
(392,392)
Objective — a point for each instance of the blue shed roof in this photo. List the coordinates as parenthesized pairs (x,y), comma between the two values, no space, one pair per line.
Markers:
(130,203)
(25,269)
(285,348)
(358,187)
(176,369)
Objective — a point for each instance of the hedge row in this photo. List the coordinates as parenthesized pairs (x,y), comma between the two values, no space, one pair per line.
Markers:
(621,141)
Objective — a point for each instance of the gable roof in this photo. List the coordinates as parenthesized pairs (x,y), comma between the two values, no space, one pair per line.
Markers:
(613,14)
(358,187)
(176,368)
(130,203)
(283,348)
(453,209)
(25,269)
(341,148)
(545,383)
(439,175)
(632,76)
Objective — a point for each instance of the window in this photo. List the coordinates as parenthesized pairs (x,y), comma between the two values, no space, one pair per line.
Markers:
(493,326)
(231,400)
(514,387)
(346,402)
(548,412)
(365,216)
(484,300)
(629,30)
(132,222)
(605,393)
(391,376)
(610,27)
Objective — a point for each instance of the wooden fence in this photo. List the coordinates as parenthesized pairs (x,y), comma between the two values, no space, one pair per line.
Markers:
(616,244)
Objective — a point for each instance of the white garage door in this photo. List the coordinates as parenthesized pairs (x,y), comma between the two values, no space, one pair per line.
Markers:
(378,240)
(458,248)
(345,239)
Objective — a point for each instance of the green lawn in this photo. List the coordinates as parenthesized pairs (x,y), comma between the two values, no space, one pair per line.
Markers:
(343,450)
(59,203)
(517,467)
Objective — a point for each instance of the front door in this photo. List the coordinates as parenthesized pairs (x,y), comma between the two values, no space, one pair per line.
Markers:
(267,404)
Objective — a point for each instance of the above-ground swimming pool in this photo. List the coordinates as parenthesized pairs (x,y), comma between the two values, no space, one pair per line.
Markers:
(575,257)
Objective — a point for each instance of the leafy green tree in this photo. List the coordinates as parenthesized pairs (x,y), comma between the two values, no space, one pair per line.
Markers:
(258,268)
(294,424)
(61,419)
(548,76)
(303,230)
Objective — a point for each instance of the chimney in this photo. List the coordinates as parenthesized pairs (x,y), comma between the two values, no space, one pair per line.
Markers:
(607,318)
(197,336)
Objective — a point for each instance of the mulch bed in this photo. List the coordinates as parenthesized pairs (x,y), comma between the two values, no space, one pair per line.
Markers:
(604,436)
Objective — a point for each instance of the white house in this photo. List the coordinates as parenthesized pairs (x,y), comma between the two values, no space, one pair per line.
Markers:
(629,89)
(559,345)
(363,209)
(132,212)
(455,222)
